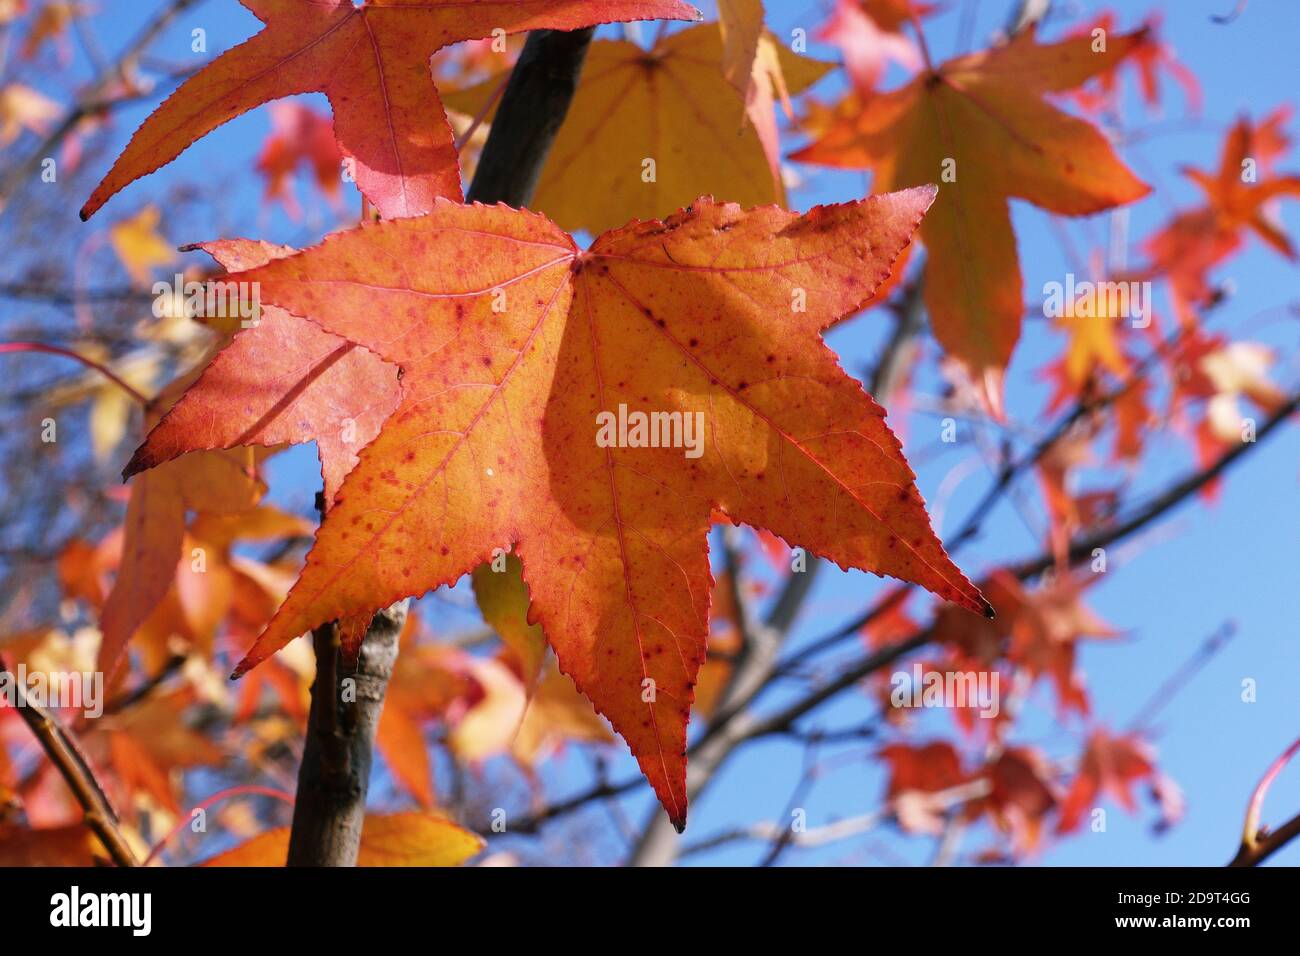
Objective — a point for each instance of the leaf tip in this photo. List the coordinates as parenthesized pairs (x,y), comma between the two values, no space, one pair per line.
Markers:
(135,465)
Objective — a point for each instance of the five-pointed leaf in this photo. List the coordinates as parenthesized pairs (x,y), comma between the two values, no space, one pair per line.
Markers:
(980,126)
(513,343)
(372,61)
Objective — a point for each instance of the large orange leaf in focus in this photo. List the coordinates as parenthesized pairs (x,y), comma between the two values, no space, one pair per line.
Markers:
(512,342)
(372,61)
(983,119)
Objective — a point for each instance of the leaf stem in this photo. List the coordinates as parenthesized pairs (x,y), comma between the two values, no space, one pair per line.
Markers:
(920,39)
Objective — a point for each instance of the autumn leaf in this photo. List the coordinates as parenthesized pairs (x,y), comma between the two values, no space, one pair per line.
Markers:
(299,136)
(397,839)
(753,63)
(927,768)
(741,24)
(23,108)
(154,529)
(1239,197)
(51,25)
(70,845)
(372,62)
(870,35)
(488,727)
(150,742)
(111,406)
(917,776)
(283,380)
(556,714)
(527,723)
(1150,58)
(139,245)
(1235,191)
(1225,374)
(503,601)
(1091,323)
(1021,794)
(1111,765)
(430,682)
(1046,633)
(651,130)
(11,10)
(981,127)
(512,342)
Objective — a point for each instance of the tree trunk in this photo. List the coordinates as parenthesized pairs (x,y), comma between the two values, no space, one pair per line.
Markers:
(335,772)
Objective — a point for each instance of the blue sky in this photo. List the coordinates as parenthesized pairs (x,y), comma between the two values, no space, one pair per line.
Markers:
(1205,565)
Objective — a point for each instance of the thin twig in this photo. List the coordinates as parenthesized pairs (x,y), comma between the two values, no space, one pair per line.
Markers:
(104,370)
(75,770)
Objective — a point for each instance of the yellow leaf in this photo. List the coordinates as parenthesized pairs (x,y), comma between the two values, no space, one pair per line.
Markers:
(398,839)
(741,23)
(139,245)
(503,600)
(22,108)
(650,131)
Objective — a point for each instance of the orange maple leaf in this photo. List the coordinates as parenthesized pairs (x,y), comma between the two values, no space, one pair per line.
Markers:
(299,136)
(1152,56)
(518,353)
(1111,764)
(1239,196)
(372,61)
(1021,793)
(980,126)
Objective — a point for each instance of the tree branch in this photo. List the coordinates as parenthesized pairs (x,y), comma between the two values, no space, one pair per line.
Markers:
(532,110)
(334,777)
(1257,842)
(76,772)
